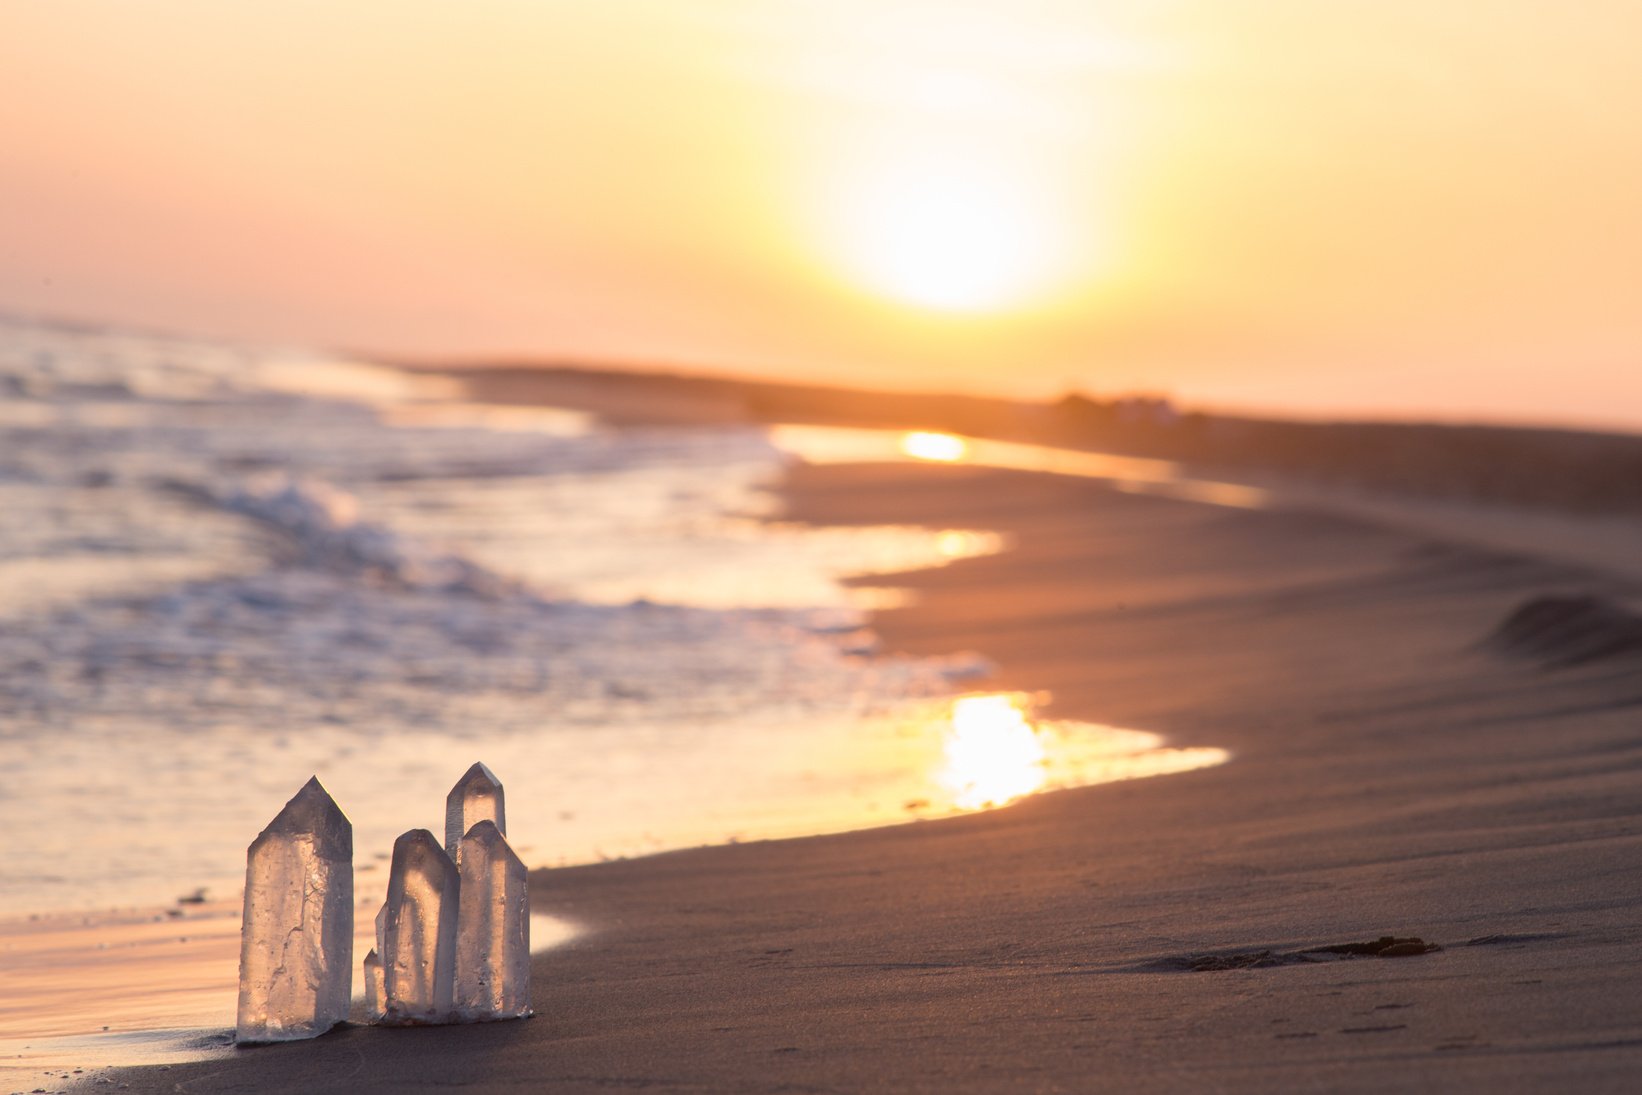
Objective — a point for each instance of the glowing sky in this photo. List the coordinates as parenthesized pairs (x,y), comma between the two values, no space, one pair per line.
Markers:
(1373,207)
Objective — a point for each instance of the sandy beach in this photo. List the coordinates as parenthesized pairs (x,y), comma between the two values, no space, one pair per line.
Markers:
(1399,769)
(992,547)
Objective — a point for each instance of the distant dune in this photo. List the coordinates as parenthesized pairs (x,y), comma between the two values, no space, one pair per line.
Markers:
(1560,631)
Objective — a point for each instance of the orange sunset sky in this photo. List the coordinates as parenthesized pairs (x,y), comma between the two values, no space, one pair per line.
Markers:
(1319,206)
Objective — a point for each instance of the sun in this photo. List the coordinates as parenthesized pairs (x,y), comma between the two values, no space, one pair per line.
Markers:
(947,235)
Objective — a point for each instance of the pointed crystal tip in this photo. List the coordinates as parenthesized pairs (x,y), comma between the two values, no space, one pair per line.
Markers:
(418,850)
(313,812)
(478,794)
(485,832)
(477,774)
(487,840)
(416,839)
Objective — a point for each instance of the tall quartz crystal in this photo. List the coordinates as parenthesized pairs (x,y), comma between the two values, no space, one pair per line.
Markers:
(296,939)
(476,797)
(493,929)
(419,932)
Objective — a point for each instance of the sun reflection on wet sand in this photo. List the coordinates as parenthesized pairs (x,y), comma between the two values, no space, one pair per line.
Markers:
(993,755)
(993,752)
(924,445)
(1129,474)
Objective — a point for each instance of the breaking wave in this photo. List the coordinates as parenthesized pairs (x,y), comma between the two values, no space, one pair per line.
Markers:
(318,526)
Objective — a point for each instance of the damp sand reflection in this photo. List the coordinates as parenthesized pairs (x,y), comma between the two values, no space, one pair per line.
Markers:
(1130,474)
(938,759)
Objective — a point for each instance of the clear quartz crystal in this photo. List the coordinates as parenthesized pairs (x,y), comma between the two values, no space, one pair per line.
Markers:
(375,980)
(296,938)
(493,929)
(374,990)
(476,797)
(419,932)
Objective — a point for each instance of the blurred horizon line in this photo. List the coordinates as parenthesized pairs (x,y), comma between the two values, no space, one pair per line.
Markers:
(775,375)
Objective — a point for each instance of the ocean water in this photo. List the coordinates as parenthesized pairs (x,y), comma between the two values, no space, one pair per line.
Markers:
(226,568)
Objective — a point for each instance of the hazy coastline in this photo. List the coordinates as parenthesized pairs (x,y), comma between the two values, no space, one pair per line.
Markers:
(1585,471)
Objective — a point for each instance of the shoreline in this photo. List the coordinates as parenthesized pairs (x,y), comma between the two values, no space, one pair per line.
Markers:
(86,972)
(1390,777)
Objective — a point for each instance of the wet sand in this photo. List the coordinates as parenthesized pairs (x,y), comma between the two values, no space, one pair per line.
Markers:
(1392,774)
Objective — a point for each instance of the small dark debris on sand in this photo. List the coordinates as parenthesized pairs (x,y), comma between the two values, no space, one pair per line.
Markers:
(1513,940)
(1386,946)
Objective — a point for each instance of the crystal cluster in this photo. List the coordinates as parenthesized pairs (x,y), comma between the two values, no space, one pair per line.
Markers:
(454,937)
(452,940)
(296,942)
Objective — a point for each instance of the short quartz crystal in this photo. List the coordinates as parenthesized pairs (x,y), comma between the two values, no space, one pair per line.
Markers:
(493,929)
(375,982)
(374,990)
(296,938)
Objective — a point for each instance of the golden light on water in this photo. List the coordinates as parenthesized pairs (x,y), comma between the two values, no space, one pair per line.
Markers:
(955,543)
(925,445)
(993,754)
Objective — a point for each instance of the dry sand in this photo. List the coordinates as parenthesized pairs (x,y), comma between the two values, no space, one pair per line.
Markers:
(1391,776)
